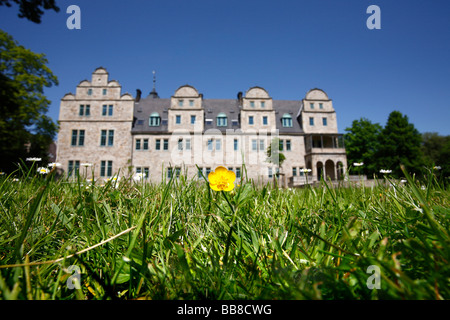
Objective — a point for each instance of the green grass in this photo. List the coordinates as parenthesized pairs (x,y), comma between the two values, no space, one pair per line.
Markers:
(181,240)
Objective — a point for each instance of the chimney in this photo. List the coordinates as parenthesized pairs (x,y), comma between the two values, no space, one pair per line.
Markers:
(138,95)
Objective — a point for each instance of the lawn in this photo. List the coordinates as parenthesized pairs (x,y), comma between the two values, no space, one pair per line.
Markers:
(72,239)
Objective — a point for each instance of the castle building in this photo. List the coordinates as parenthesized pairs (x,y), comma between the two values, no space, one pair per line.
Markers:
(104,133)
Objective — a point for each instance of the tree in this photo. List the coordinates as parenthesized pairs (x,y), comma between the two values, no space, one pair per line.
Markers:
(31,10)
(436,151)
(361,144)
(24,125)
(400,143)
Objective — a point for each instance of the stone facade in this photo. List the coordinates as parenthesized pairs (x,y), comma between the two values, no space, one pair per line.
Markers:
(119,134)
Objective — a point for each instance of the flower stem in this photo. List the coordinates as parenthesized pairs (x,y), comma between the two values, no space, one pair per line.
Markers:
(225,258)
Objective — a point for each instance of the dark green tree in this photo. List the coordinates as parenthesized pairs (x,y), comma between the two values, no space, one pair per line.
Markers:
(31,9)
(400,143)
(25,129)
(436,151)
(361,144)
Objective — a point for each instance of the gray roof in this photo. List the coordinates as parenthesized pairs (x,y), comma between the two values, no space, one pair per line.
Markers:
(142,111)
(212,107)
(229,107)
(291,107)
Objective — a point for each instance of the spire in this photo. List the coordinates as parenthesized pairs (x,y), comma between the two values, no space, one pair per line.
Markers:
(154,94)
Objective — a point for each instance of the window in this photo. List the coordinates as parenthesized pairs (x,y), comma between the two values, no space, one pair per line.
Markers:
(81,112)
(146,172)
(294,171)
(103,138)
(254,145)
(311,121)
(110,138)
(107,110)
(188,144)
(261,145)
(270,173)
(208,121)
(138,144)
(263,104)
(191,103)
(158,144)
(288,145)
(320,105)
(180,144)
(166,144)
(104,134)
(81,138)
(324,121)
(154,120)
(193,119)
(265,122)
(210,144)
(180,103)
(178,119)
(221,120)
(74,137)
(236,144)
(145,145)
(105,91)
(311,105)
(169,173)
(234,122)
(87,110)
(77,138)
(200,173)
(238,173)
(74,166)
(89,92)
(208,170)
(218,144)
(106,168)
(252,104)
(281,145)
(250,120)
(286,120)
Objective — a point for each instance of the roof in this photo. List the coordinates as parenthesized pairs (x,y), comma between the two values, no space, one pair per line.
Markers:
(212,108)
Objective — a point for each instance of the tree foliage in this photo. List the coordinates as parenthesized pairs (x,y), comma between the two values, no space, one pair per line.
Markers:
(400,143)
(436,151)
(24,125)
(361,143)
(31,9)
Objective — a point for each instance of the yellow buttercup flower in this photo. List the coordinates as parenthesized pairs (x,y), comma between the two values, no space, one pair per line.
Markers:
(221,179)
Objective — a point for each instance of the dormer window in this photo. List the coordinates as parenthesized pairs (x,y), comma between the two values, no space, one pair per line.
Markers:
(221,120)
(191,103)
(311,105)
(320,105)
(252,104)
(263,104)
(286,120)
(180,103)
(89,92)
(154,120)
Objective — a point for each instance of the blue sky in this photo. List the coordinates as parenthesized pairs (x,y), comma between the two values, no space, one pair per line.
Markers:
(287,47)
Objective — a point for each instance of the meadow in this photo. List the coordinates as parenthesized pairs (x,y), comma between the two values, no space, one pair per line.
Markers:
(64,239)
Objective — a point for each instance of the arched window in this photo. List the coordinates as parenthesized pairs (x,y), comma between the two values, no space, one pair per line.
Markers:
(154,120)
(221,120)
(286,120)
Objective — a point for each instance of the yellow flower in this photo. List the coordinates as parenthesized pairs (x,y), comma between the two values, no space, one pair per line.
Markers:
(221,179)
